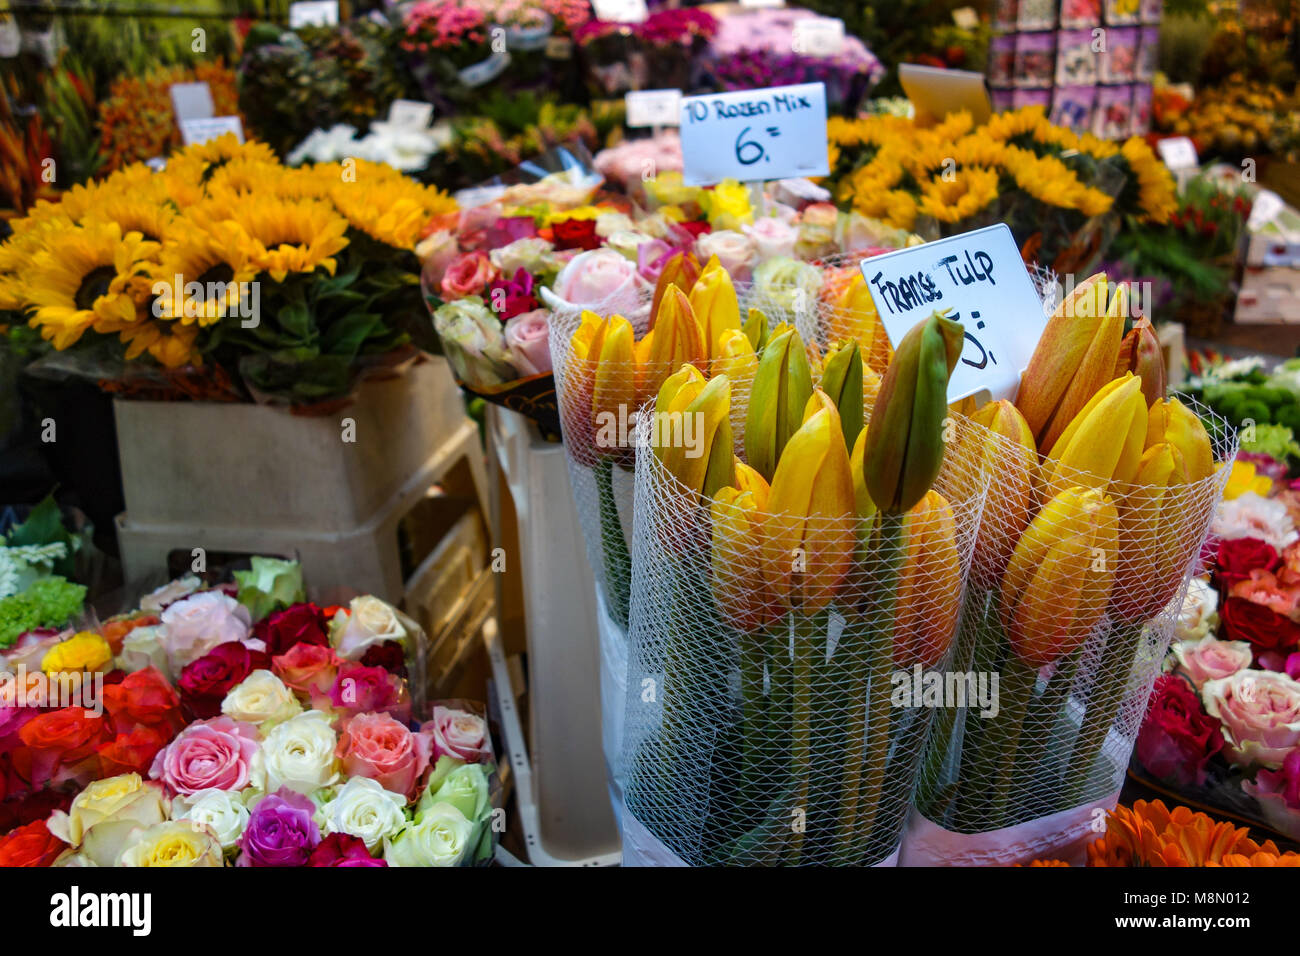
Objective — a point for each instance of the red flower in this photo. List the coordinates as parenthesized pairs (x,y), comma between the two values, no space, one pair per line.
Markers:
(297,624)
(1239,556)
(1177,738)
(575,234)
(144,699)
(388,655)
(30,845)
(1267,631)
(206,681)
(132,752)
(341,849)
(695,228)
(57,741)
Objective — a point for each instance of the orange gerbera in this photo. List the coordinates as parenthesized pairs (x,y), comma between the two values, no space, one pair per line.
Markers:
(1149,834)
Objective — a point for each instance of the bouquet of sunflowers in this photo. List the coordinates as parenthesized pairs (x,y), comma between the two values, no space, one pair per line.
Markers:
(226,275)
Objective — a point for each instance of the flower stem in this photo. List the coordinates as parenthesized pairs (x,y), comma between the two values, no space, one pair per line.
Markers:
(1105,699)
(618,562)
(1016,692)
(801,727)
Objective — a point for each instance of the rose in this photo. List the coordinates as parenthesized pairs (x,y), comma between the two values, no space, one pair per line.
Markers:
(23,810)
(510,229)
(601,279)
(513,296)
(144,699)
(1177,739)
(772,237)
(1283,784)
(1212,659)
(363,808)
(456,733)
(467,274)
(379,747)
(170,593)
(367,621)
(297,624)
(472,340)
(173,843)
(116,629)
(465,788)
(533,255)
(261,699)
(221,811)
(101,818)
(1260,715)
(610,224)
(1199,615)
(131,752)
(390,655)
(1251,516)
(30,648)
(438,836)
(56,742)
(1263,588)
(84,651)
(787,284)
(143,648)
(297,754)
(280,831)
(575,234)
(1263,628)
(1237,557)
(527,337)
(211,754)
(12,719)
(728,205)
(30,845)
(736,251)
(628,243)
(435,252)
(307,668)
(195,625)
(359,689)
(205,682)
(339,849)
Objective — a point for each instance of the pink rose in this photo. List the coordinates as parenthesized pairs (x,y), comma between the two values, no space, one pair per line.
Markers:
(307,667)
(1212,659)
(601,280)
(383,749)
(772,237)
(1260,715)
(192,627)
(207,755)
(1263,588)
(468,274)
(358,689)
(736,251)
(458,734)
(528,339)
(31,647)
(435,253)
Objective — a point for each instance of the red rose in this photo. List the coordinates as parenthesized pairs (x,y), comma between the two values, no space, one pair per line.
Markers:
(341,849)
(56,742)
(1239,556)
(206,681)
(1265,629)
(388,655)
(144,699)
(575,234)
(20,810)
(1178,737)
(297,624)
(131,752)
(30,845)
(695,228)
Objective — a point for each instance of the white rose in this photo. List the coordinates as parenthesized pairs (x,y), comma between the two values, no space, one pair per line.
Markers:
(772,237)
(363,808)
(170,592)
(438,837)
(260,698)
(1198,618)
(222,811)
(141,648)
(611,223)
(531,255)
(298,754)
(197,624)
(367,621)
(735,251)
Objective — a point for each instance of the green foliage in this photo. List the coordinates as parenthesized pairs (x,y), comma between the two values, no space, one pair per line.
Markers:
(49,602)
(1184,40)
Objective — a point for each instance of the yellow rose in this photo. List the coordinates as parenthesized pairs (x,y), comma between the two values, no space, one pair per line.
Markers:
(86,651)
(729,206)
(102,816)
(173,843)
(668,189)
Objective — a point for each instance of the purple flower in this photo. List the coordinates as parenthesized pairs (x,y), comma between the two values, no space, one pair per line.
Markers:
(651,257)
(280,831)
(508,229)
(514,296)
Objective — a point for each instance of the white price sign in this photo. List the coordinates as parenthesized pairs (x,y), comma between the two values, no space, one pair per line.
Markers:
(410,113)
(762,3)
(1178,152)
(818,36)
(981,280)
(201,130)
(621,11)
(653,107)
(313,13)
(751,135)
(191,101)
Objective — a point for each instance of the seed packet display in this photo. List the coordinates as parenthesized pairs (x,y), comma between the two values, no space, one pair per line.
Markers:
(1004,14)
(1023,98)
(1036,14)
(1120,12)
(1003,100)
(1112,117)
(1080,13)
(1076,63)
(1035,60)
(1072,107)
(1148,53)
(1151,10)
(1119,62)
(1002,60)
(1140,122)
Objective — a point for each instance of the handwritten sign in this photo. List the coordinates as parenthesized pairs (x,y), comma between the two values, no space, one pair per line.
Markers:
(191,101)
(980,279)
(313,13)
(621,11)
(1178,152)
(773,133)
(413,114)
(654,107)
(200,130)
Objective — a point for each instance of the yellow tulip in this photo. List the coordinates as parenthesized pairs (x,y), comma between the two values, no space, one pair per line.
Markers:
(737,580)
(1104,441)
(697,413)
(1010,458)
(782,386)
(756,330)
(675,340)
(929,584)
(748,480)
(735,359)
(713,300)
(1169,420)
(1159,529)
(862,503)
(1059,579)
(1140,353)
(602,379)
(681,270)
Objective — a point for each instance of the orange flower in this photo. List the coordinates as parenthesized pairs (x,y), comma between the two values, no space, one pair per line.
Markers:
(1149,834)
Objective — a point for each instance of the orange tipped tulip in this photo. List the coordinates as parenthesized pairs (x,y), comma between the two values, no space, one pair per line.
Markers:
(929,584)
(681,270)
(853,315)
(1169,420)
(695,417)
(676,340)
(1008,454)
(1140,353)
(602,380)
(738,585)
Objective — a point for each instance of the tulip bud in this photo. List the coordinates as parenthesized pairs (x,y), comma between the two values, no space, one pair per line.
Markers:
(1140,353)
(602,379)
(756,330)
(929,584)
(782,387)
(748,480)
(853,315)
(735,359)
(1060,576)
(675,340)
(842,375)
(862,503)
(809,533)
(1104,441)
(737,580)
(713,300)
(1169,420)
(681,270)
(904,449)
(1009,456)
(702,460)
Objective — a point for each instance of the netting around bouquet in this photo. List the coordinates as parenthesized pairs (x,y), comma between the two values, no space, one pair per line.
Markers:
(776,676)
(1072,601)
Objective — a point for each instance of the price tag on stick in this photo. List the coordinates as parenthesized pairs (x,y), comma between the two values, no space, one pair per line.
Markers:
(752,135)
(413,114)
(313,13)
(191,101)
(981,280)
(202,130)
(653,108)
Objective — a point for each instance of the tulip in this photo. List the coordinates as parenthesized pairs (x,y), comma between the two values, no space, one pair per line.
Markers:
(601,378)
(862,503)
(1157,526)
(749,480)
(870,391)
(904,449)
(713,300)
(681,270)
(929,584)
(1075,357)
(1009,457)
(756,330)
(782,387)
(842,375)
(735,359)
(675,340)
(1060,576)
(1169,420)
(1140,353)
(738,585)
(853,315)
(1104,441)
(703,408)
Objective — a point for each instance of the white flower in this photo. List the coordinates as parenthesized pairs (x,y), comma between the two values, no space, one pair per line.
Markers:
(363,808)
(260,698)
(531,255)
(298,754)
(141,648)
(194,626)
(367,621)
(1197,618)
(224,812)
(1250,516)
(437,837)
(170,592)
(735,251)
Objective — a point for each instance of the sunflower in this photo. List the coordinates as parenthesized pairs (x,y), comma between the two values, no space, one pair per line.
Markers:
(1015,123)
(81,278)
(387,206)
(242,177)
(291,236)
(970,191)
(171,343)
(1156,193)
(220,258)
(153,220)
(197,163)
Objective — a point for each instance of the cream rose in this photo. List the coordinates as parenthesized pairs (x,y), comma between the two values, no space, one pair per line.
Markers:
(439,836)
(364,809)
(297,754)
(367,621)
(173,843)
(1198,617)
(1260,715)
(772,237)
(735,251)
(1211,659)
(101,817)
(532,255)
(262,699)
(142,647)
(224,812)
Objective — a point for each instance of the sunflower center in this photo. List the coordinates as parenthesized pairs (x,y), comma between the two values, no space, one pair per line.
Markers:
(93,285)
(221,272)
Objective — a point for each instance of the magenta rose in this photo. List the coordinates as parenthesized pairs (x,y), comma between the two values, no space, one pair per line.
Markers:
(208,755)
(359,689)
(297,624)
(342,849)
(1177,738)
(511,297)
(508,229)
(468,274)
(383,749)
(280,831)
(205,682)
(457,733)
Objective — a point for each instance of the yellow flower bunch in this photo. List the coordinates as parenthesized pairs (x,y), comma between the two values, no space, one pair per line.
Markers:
(961,196)
(1157,194)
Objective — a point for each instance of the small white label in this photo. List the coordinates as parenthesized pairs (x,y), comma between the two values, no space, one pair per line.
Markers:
(762,3)
(1264,209)
(201,130)
(752,135)
(313,13)
(966,18)
(654,107)
(818,36)
(981,280)
(410,113)
(621,11)
(191,101)
(1178,152)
